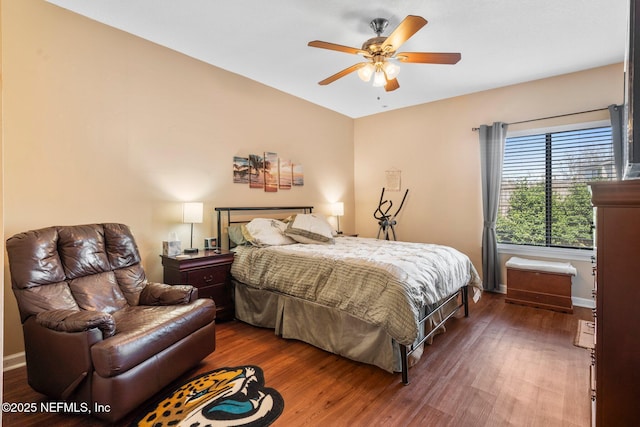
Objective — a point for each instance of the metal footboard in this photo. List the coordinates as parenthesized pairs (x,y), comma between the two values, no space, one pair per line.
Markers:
(405,351)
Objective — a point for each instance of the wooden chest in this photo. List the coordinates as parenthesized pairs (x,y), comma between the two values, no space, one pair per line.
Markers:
(540,289)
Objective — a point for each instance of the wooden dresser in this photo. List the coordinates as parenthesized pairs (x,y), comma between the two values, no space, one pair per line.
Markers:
(209,271)
(615,367)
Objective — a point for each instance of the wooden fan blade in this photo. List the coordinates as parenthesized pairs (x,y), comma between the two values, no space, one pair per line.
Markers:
(429,58)
(403,32)
(342,73)
(333,46)
(391,85)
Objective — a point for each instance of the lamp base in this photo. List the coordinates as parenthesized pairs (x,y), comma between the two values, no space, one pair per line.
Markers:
(191,251)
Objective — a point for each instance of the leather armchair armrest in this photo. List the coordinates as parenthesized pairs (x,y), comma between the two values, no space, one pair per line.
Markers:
(59,363)
(163,294)
(77,321)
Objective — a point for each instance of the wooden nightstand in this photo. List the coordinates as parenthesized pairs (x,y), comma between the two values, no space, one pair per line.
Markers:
(209,271)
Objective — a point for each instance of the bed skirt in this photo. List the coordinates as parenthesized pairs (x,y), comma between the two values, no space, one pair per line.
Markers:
(326,328)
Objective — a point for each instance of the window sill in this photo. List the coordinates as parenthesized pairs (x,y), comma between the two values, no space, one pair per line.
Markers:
(544,252)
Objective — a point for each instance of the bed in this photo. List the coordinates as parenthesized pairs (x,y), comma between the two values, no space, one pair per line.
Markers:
(373,301)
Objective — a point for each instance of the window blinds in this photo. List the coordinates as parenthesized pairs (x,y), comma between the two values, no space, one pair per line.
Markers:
(544,196)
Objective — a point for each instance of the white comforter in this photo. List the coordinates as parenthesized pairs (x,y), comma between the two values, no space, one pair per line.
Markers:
(381,282)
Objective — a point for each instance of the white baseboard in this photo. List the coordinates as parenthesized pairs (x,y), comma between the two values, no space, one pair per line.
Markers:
(14,361)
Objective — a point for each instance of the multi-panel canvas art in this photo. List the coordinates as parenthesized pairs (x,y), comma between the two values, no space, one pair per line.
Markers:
(267,171)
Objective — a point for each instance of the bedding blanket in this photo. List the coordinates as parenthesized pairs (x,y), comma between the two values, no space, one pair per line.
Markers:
(381,282)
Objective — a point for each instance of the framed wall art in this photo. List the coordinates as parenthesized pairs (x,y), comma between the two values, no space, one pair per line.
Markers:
(256,171)
(298,175)
(286,174)
(240,170)
(267,171)
(270,172)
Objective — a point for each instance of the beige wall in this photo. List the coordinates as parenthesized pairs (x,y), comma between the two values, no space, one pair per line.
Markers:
(103,126)
(438,153)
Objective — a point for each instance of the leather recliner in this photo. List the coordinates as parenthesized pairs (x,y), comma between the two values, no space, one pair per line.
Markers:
(96,331)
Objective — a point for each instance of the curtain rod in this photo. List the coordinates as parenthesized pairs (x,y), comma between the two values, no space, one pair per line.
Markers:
(552,117)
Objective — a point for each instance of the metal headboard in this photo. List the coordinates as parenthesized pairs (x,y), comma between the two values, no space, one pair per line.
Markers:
(239,210)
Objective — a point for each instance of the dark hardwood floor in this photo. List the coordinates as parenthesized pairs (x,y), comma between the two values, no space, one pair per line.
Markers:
(505,365)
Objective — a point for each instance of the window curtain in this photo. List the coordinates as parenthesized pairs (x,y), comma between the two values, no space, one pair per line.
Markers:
(616,112)
(492,141)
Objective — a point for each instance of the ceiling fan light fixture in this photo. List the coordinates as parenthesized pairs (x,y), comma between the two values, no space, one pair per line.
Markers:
(378,78)
(366,72)
(381,54)
(391,70)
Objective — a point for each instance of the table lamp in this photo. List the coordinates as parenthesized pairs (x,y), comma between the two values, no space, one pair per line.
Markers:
(192,214)
(338,211)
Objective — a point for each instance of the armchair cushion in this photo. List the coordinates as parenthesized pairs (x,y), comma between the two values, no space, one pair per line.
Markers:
(144,331)
(163,294)
(82,250)
(33,300)
(77,321)
(131,280)
(122,250)
(98,292)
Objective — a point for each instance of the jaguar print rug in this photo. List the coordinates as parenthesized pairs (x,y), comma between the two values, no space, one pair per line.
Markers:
(224,397)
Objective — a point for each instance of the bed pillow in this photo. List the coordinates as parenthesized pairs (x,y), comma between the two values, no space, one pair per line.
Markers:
(266,232)
(236,236)
(310,228)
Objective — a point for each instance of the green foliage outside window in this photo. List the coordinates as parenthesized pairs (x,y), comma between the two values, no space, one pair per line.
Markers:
(524,221)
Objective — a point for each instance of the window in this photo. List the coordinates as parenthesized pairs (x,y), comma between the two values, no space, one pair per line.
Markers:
(544,195)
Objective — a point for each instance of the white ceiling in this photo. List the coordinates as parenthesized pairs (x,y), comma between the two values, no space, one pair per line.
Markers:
(502,42)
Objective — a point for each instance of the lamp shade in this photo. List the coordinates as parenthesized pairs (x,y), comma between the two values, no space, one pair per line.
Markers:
(366,72)
(379,79)
(338,209)
(192,212)
(391,70)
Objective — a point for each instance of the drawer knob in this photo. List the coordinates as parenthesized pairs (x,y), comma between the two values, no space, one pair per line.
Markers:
(209,279)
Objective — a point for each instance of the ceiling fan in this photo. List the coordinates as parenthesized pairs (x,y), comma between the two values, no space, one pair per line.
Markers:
(381,53)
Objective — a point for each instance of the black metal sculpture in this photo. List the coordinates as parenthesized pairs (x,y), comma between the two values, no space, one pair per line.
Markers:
(385,221)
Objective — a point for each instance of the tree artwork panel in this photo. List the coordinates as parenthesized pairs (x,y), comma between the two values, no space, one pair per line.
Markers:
(256,171)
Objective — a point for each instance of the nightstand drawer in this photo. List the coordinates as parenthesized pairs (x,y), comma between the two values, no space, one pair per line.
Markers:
(208,276)
(220,293)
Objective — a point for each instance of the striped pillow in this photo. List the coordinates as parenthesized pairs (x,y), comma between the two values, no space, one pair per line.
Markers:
(310,228)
